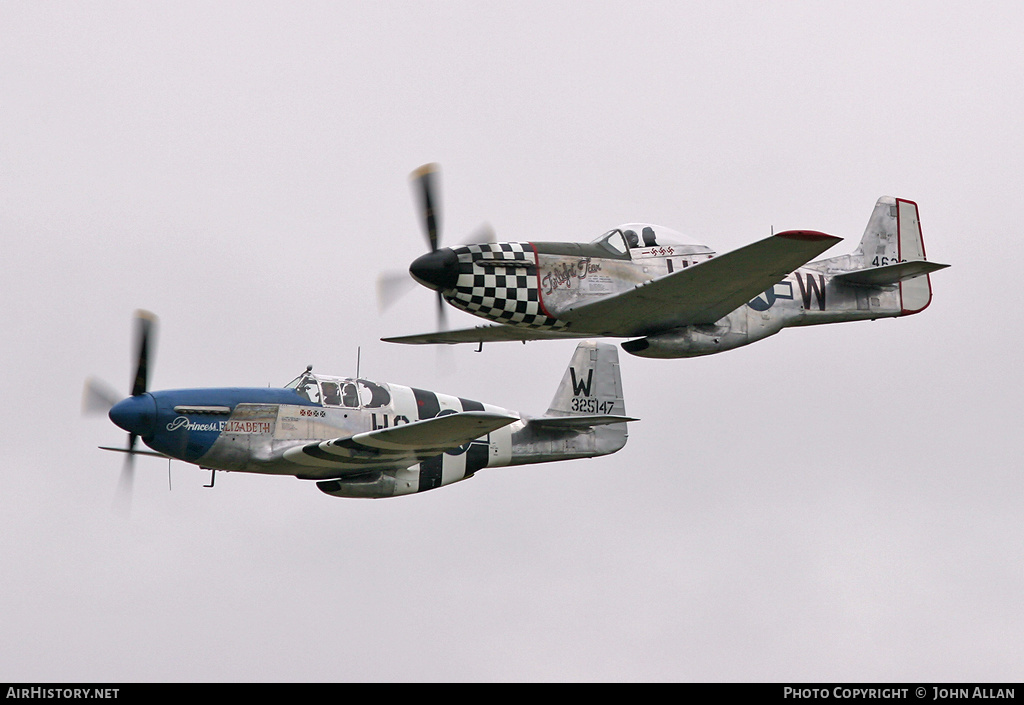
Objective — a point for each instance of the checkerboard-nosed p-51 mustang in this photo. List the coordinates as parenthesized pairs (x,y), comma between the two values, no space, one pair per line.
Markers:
(673,300)
(358,438)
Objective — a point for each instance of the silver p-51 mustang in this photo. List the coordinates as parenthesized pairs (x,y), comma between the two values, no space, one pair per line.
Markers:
(639,281)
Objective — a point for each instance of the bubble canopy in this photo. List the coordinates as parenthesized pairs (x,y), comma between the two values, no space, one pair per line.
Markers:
(340,391)
(631,236)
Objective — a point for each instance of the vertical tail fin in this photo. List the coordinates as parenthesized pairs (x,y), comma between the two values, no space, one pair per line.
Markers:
(587,416)
(892,237)
(591,384)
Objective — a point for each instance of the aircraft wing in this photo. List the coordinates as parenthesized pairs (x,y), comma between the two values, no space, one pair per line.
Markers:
(483,334)
(132,451)
(703,293)
(399,446)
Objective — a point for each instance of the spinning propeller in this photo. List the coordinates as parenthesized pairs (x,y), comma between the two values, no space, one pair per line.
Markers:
(137,413)
(434,268)
(423,185)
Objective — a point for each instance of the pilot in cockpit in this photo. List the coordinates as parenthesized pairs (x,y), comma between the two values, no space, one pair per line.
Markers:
(332,395)
(631,239)
(350,395)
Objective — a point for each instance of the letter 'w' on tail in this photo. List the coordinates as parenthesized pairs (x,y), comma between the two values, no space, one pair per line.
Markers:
(892,251)
(579,385)
(591,384)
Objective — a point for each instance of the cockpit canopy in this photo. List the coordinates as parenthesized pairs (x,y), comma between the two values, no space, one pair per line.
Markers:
(340,391)
(643,236)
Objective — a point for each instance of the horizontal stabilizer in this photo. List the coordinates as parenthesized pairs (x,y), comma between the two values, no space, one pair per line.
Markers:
(579,422)
(481,334)
(890,273)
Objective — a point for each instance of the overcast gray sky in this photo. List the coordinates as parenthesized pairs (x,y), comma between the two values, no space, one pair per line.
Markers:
(836,503)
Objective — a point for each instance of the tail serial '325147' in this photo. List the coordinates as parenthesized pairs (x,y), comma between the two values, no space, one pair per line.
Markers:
(358,438)
(673,300)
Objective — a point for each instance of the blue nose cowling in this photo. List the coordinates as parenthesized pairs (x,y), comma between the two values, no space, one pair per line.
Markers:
(135,414)
(438,270)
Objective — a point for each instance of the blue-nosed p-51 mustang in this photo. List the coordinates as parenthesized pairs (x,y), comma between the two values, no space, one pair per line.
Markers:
(674,300)
(358,438)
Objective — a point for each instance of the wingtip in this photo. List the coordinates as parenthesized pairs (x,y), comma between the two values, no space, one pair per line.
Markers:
(807,236)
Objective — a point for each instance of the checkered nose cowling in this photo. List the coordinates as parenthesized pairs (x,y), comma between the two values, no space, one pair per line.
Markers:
(494,285)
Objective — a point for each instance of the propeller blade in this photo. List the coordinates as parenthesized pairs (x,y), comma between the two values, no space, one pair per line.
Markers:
(123,498)
(98,397)
(424,185)
(442,315)
(392,286)
(483,234)
(145,325)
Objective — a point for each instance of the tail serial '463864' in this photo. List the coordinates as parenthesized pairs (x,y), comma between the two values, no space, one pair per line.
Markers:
(674,300)
(358,438)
